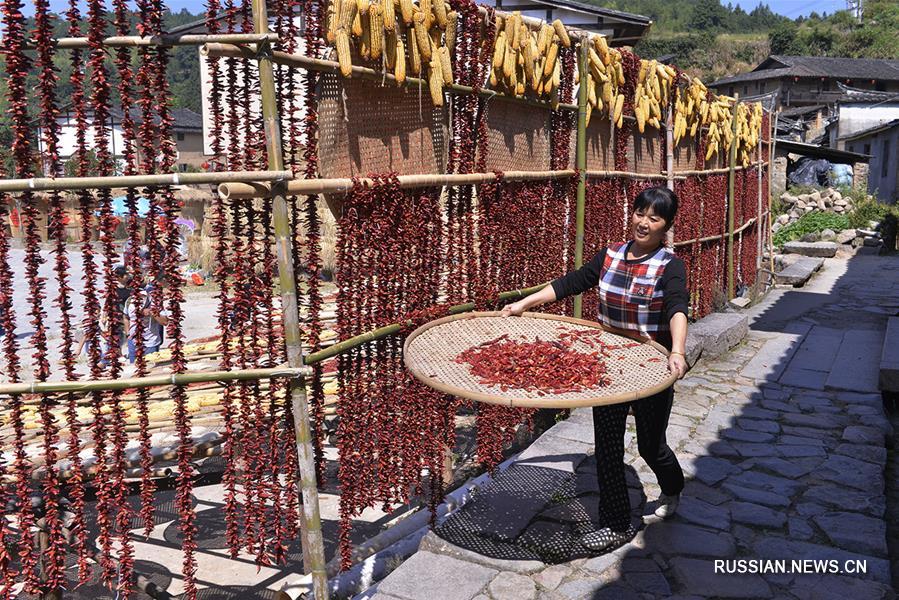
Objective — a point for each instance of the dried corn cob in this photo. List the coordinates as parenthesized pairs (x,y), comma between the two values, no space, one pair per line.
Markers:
(421,36)
(446,64)
(452,19)
(435,81)
(407,11)
(376,26)
(399,70)
(440,13)
(559,28)
(347,15)
(551,56)
(343,52)
(388,15)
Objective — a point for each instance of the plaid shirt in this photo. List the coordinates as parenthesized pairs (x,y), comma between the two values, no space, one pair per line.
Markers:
(629,295)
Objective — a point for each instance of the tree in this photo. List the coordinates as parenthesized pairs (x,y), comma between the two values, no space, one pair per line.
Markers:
(708,15)
(784,39)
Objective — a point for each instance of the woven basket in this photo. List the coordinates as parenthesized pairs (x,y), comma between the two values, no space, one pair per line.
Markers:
(430,355)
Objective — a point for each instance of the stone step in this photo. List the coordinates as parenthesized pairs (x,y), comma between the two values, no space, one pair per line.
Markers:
(889,358)
(818,249)
(854,367)
(800,271)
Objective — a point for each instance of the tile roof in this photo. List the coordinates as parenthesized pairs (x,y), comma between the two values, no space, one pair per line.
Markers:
(776,66)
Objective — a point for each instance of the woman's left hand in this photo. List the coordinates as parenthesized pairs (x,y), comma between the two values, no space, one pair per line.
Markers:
(677,364)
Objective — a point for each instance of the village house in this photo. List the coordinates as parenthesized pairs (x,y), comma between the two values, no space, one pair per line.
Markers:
(187,130)
(811,80)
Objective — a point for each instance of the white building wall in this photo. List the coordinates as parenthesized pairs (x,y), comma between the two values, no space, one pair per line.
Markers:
(206,91)
(855,117)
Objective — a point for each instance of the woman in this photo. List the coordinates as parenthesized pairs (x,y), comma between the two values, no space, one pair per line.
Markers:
(642,288)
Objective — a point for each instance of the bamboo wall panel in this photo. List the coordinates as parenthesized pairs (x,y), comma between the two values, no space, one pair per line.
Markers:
(518,137)
(600,154)
(367,128)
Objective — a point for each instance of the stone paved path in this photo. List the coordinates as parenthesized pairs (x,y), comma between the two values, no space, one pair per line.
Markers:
(783,441)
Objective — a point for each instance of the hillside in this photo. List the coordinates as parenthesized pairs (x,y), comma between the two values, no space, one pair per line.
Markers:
(711,40)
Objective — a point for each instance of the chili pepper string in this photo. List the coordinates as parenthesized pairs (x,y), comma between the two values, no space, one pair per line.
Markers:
(311,254)
(91,305)
(133,266)
(173,283)
(222,275)
(384,427)
(54,559)
(688,226)
(110,493)
(17,66)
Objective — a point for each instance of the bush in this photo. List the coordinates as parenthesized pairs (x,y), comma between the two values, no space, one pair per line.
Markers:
(812,222)
(867,209)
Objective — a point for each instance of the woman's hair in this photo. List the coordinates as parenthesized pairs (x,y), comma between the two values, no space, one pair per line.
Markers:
(661,200)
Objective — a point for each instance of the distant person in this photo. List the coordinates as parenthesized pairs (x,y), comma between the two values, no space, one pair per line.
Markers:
(153,324)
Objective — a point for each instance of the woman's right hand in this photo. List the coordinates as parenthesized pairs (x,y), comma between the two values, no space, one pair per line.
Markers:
(514,309)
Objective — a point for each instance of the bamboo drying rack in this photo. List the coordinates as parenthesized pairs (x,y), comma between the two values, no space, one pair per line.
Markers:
(278,182)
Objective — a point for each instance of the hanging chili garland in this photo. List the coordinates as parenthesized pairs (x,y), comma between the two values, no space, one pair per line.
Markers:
(17,66)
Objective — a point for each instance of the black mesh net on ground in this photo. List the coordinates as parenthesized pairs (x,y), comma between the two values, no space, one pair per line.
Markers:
(530,513)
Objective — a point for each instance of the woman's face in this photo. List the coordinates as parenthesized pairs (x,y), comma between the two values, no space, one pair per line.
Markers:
(647,227)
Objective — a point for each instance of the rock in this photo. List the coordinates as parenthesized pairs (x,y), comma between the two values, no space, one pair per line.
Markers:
(649,583)
(804,198)
(783,219)
(811,248)
(872,242)
(845,236)
(828,235)
(801,204)
(512,586)
(788,198)
(840,203)
(697,576)
(836,196)
(800,529)
(775,227)
(839,209)
(832,587)
(794,214)
(841,498)
(863,435)
(781,486)
(809,209)
(756,514)
(814,196)
(550,577)
(444,577)
(700,512)
(821,204)
(756,496)
(681,539)
(718,332)
(779,548)
(854,532)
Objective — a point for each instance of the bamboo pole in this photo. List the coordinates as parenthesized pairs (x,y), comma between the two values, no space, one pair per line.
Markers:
(758,241)
(669,164)
(102,385)
(127,41)
(731,180)
(581,165)
(395,328)
(712,238)
(303,187)
(330,66)
(133,181)
(629,175)
(313,546)
(721,170)
(772,142)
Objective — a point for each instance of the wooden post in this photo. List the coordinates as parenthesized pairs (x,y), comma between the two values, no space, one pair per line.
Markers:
(669,163)
(730,200)
(314,548)
(771,135)
(581,166)
(758,214)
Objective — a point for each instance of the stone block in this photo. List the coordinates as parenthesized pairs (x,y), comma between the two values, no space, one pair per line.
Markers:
(889,358)
(718,332)
(675,538)
(427,576)
(758,515)
(854,532)
(700,512)
(853,368)
(815,249)
(698,576)
(512,586)
(800,271)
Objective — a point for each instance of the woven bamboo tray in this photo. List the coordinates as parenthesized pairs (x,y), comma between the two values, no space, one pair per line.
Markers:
(430,355)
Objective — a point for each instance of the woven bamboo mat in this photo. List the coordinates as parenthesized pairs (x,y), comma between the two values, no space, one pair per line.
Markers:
(635,370)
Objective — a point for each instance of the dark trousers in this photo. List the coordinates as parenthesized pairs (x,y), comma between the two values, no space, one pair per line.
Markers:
(609,422)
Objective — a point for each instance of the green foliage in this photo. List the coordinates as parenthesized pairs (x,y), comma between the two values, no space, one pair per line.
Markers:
(868,209)
(783,39)
(812,222)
